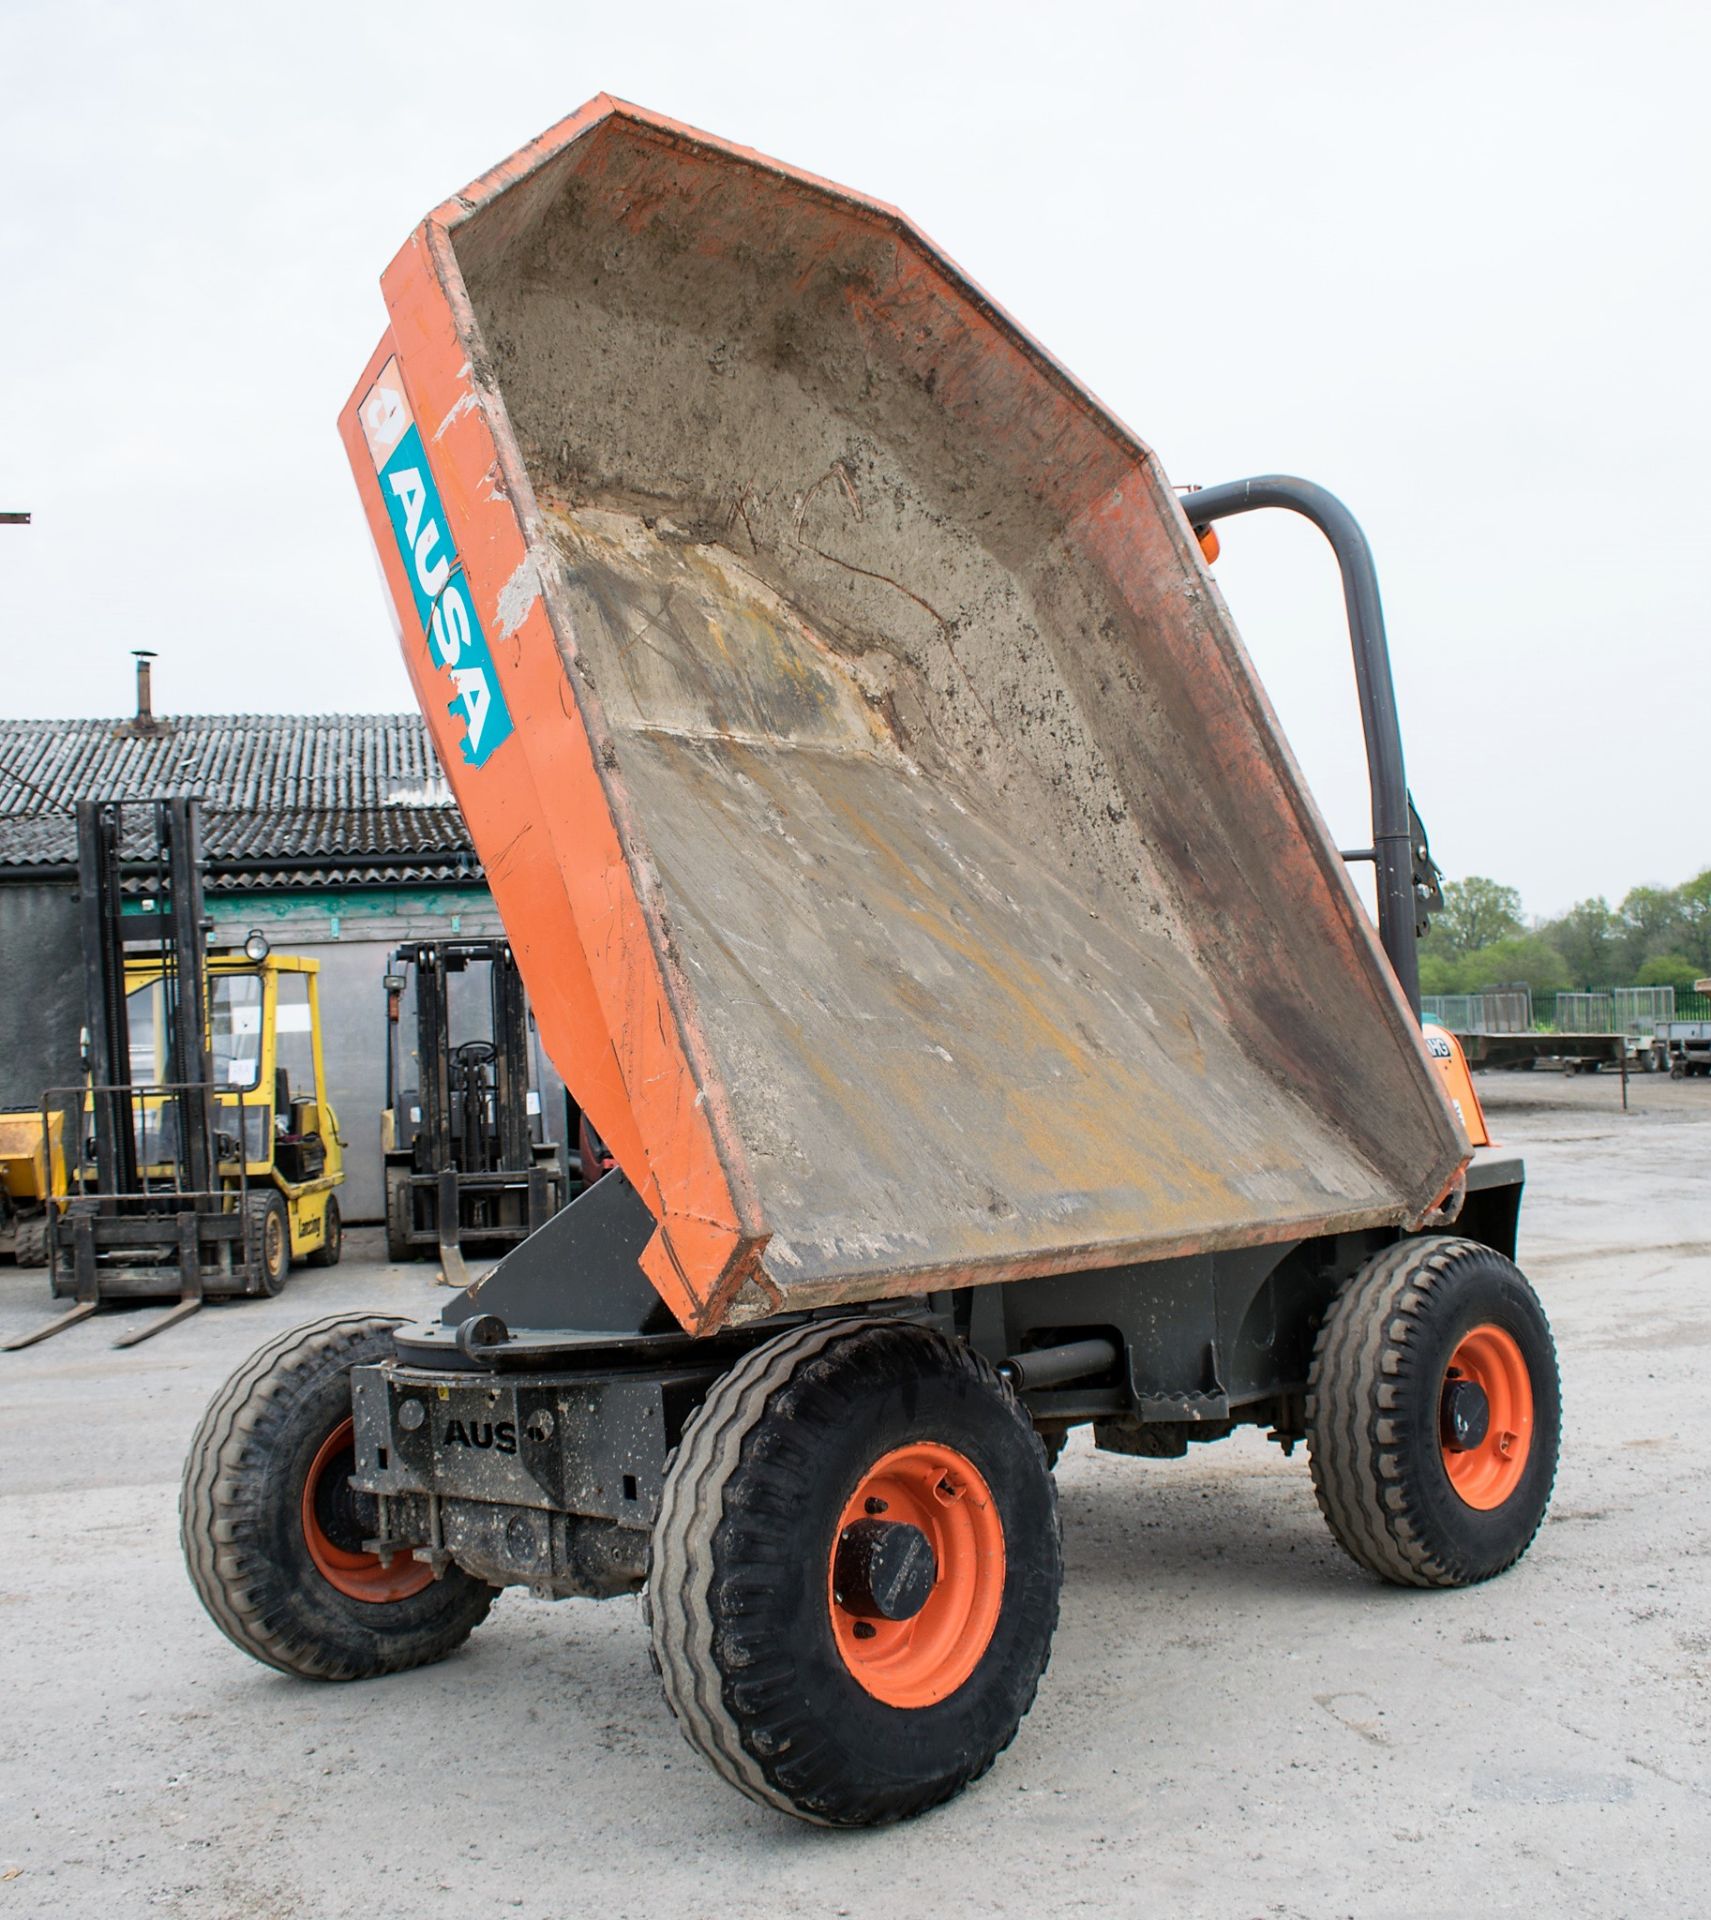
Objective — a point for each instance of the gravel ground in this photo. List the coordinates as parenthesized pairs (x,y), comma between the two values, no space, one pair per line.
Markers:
(1236,1722)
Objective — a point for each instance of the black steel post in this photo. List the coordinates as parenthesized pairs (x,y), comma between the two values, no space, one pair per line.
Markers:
(1392,840)
(510,1061)
(433,1038)
(184,967)
(98,835)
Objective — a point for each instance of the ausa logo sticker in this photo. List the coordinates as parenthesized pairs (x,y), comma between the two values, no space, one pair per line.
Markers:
(444,605)
(483,1434)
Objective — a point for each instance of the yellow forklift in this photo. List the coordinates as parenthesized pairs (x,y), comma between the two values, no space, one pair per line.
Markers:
(32,1166)
(200,1156)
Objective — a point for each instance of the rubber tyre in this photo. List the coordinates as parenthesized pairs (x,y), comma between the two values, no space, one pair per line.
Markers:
(240,1519)
(270,1229)
(398,1219)
(30,1243)
(737,1598)
(331,1249)
(1373,1404)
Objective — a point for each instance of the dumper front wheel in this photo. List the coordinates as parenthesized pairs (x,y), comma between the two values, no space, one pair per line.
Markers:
(1433,1414)
(275,1537)
(855,1572)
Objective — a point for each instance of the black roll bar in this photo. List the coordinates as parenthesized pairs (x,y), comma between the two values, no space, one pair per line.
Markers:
(1392,832)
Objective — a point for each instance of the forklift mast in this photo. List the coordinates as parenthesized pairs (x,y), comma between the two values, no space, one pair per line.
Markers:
(463,1162)
(176,928)
(145,1214)
(476,1123)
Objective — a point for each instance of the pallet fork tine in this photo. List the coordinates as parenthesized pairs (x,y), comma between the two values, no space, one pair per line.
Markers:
(184,1309)
(454,1271)
(49,1328)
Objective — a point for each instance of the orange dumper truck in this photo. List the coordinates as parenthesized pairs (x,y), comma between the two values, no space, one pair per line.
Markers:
(915,892)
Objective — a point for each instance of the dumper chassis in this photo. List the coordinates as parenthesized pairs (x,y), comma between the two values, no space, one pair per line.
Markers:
(368,1527)
(834,1495)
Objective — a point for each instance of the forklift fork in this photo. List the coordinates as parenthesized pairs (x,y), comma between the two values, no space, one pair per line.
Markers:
(189,1282)
(49,1328)
(454,1272)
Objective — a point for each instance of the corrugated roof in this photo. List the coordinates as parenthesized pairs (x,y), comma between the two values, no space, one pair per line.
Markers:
(345,799)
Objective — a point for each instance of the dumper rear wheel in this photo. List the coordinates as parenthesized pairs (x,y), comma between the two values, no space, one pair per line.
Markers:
(855,1572)
(274,1535)
(1434,1414)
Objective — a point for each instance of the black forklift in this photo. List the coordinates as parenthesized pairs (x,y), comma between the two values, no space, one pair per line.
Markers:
(468,1161)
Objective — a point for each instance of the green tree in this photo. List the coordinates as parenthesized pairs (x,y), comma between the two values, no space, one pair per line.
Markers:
(1476,913)
(1668,970)
(1522,959)
(1651,923)
(1439,974)
(1587,937)
(1694,898)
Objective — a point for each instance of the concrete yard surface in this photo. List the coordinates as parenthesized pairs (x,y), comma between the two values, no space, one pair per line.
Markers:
(1236,1722)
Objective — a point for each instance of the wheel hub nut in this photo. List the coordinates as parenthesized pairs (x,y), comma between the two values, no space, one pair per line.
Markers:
(1465,1415)
(884,1569)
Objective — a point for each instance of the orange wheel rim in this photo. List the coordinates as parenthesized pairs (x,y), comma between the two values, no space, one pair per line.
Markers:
(357,1575)
(922,1660)
(1486,1474)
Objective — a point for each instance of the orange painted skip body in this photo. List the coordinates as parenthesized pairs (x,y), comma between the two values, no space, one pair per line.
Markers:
(906,869)
(548,831)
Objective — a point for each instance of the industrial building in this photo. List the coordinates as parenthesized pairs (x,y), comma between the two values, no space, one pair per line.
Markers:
(335,835)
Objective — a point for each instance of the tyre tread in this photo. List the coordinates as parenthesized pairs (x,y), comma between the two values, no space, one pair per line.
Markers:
(685,1566)
(225,1454)
(1360,1474)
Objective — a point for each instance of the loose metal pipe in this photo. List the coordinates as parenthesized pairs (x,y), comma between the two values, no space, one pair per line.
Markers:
(1392,835)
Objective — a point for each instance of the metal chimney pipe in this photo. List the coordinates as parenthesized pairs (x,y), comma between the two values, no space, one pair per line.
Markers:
(145,694)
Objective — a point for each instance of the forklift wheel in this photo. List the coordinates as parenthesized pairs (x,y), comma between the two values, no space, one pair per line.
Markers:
(398,1218)
(271,1232)
(846,1667)
(332,1239)
(273,1534)
(30,1243)
(1433,1414)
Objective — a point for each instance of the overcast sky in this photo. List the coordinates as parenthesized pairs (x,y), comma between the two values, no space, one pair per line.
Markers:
(1451,261)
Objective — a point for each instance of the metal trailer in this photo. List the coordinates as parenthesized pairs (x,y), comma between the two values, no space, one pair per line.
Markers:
(466,1158)
(188,1179)
(1686,1047)
(913,886)
(1568,1052)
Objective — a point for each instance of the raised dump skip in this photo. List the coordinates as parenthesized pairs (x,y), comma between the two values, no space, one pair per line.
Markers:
(901,857)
